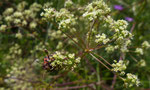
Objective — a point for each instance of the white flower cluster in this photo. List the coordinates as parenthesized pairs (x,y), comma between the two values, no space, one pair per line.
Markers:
(63,17)
(48,14)
(56,34)
(142,63)
(71,41)
(60,60)
(139,51)
(95,10)
(14,51)
(21,16)
(100,11)
(120,25)
(119,66)
(47,4)
(145,45)
(35,7)
(33,25)
(16,78)
(21,6)
(60,45)
(110,48)
(41,46)
(131,80)
(19,35)
(101,38)
(121,35)
(8,11)
(68,3)
(3,27)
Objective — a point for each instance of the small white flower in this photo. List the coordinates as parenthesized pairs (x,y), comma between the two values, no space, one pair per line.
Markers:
(131,80)
(119,66)
(72,56)
(101,38)
(3,27)
(68,3)
(139,51)
(145,44)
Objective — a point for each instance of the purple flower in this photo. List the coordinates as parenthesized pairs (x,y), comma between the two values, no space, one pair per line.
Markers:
(118,7)
(129,19)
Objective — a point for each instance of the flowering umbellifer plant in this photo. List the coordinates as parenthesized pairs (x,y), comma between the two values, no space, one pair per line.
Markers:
(73,35)
(99,30)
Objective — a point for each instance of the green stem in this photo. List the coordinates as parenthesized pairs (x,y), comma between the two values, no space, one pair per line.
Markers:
(73,40)
(102,59)
(89,34)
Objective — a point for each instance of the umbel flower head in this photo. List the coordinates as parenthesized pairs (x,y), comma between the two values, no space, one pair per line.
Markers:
(139,51)
(145,45)
(141,63)
(119,66)
(101,38)
(93,13)
(68,3)
(97,9)
(63,17)
(61,60)
(131,80)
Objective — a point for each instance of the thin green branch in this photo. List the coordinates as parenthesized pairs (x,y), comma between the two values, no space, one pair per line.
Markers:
(73,40)
(89,33)
(105,65)
(102,59)
(133,58)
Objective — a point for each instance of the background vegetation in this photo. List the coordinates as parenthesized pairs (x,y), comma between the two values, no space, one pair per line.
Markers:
(24,39)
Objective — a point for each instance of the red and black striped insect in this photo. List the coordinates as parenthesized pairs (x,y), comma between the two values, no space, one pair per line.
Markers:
(47,61)
(46,64)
